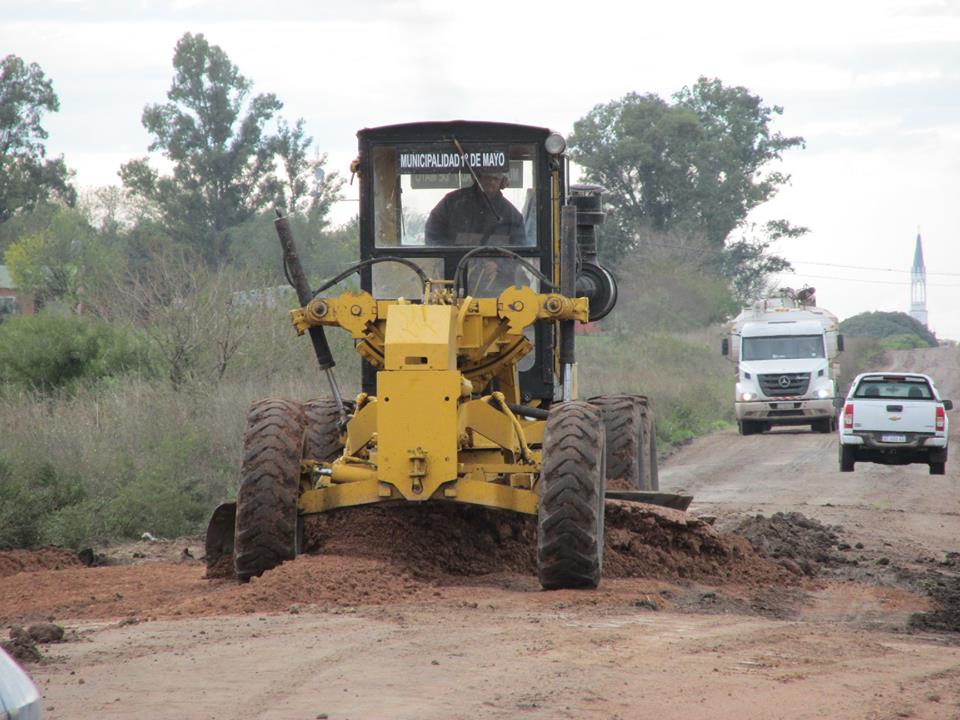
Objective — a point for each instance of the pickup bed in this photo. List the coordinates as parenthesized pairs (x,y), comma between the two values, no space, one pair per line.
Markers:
(894,419)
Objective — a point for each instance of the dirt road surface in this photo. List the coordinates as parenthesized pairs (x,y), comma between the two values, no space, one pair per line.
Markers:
(847,616)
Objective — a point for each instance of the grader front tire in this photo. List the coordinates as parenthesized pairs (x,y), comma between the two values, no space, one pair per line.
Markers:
(572,482)
(266,531)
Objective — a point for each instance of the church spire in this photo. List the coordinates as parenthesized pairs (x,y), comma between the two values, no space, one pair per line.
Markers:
(918,285)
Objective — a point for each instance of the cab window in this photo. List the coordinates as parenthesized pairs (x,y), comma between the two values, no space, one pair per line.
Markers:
(894,388)
(425,195)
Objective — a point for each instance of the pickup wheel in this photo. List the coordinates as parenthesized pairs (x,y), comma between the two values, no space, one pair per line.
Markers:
(848,458)
(938,468)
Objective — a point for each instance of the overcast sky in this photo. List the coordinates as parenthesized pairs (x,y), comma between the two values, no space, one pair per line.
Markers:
(873,87)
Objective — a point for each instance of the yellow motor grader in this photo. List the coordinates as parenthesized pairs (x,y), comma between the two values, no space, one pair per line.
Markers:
(477,260)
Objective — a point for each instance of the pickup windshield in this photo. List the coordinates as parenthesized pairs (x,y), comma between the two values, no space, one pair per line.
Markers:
(783,347)
(894,388)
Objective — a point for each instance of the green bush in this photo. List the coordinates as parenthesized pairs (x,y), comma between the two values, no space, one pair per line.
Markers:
(29,496)
(689,384)
(903,342)
(48,351)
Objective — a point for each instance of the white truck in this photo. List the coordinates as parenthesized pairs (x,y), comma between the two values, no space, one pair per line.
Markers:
(894,418)
(785,349)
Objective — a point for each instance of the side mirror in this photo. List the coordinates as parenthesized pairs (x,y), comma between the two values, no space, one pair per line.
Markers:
(948,404)
(839,343)
(725,346)
(838,402)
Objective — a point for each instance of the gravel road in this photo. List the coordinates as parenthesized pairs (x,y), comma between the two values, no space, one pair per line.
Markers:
(826,627)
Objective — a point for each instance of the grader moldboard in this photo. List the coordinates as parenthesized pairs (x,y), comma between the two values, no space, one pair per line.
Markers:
(469,388)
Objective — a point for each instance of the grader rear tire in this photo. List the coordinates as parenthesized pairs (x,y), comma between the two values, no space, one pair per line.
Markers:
(572,482)
(266,532)
(626,434)
(323,440)
(654,468)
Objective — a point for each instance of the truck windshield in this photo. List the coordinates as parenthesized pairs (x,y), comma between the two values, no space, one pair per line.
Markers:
(894,388)
(783,347)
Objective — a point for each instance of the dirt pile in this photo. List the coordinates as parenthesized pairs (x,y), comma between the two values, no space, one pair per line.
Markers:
(944,590)
(649,541)
(437,540)
(373,556)
(800,544)
(49,558)
(430,540)
(22,644)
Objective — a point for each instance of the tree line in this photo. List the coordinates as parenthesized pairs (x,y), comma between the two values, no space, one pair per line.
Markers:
(682,175)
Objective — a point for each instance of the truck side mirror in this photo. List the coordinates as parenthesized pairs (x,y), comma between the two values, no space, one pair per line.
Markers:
(725,346)
(839,343)
(838,402)
(948,404)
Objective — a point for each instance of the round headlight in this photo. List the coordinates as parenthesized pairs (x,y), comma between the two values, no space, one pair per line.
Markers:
(555,144)
(823,393)
(746,397)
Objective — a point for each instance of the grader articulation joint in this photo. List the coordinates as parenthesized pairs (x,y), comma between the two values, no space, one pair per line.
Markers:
(466,330)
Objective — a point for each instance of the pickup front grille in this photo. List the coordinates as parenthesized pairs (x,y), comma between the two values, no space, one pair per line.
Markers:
(784,384)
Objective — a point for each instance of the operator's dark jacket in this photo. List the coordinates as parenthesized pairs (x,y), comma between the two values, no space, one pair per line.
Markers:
(465,211)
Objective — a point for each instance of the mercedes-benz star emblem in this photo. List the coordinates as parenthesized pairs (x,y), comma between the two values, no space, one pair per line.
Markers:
(784,381)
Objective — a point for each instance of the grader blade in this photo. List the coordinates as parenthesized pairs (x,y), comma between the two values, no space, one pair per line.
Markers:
(219,541)
(652,497)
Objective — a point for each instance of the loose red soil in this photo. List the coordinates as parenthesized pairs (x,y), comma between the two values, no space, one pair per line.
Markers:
(372,556)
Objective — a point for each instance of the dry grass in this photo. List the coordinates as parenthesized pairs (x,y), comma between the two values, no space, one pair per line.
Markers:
(133,455)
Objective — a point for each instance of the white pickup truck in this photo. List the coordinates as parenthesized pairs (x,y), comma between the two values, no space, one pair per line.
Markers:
(894,419)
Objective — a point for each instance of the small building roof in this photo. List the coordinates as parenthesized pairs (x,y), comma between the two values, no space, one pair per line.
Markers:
(6,281)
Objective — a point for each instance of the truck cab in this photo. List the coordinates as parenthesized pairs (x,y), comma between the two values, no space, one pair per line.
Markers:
(786,353)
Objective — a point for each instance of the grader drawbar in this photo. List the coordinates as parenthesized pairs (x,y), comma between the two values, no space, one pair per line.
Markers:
(477,260)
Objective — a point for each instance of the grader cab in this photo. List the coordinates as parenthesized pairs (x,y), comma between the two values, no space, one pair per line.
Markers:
(477,260)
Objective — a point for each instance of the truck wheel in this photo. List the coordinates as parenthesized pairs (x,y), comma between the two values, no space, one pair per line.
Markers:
(748,427)
(323,440)
(267,527)
(848,457)
(823,425)
(938,468)
(572,482)
(627,450)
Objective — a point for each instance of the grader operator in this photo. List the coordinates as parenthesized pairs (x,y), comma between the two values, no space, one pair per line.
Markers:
(477,259)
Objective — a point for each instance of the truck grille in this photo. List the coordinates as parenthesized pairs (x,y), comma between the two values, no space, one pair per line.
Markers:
(784,384)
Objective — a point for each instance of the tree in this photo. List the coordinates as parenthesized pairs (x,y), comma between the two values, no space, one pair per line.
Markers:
(896,330)
(223,161)
(698,164)
(26,176)
(190,314)
(59,260)
(306,186)
(747,263)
